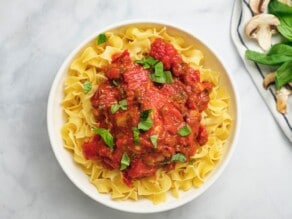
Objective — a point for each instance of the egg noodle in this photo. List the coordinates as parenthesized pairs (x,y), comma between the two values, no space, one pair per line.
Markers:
(80,120)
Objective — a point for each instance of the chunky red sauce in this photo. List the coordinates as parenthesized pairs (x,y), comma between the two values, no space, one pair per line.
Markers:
(174,105)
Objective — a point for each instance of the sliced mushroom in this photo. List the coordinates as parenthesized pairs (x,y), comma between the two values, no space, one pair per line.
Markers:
(282,97)
(261,27)
(286,2)
(269,78)
(258,6)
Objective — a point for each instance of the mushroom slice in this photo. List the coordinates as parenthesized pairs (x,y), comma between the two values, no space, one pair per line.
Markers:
(269,78)
(282,97)
(258,6)
(261,27)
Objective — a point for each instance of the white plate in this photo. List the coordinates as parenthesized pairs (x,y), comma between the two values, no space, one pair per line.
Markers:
(241,15)
(81,180)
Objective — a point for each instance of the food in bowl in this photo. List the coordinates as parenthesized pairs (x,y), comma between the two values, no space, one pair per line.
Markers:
(143,116)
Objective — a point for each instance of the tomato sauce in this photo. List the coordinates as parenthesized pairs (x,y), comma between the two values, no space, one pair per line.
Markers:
(173,106)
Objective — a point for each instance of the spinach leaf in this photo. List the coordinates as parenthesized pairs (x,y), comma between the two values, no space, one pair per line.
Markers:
(284,14)
(278,54)
(283,74)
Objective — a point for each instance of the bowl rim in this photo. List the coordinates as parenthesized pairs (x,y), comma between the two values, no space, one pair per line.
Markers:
(59,75)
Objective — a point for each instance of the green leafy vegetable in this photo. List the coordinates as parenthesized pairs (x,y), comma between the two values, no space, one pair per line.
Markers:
(123,104)
(87,87)
(136,134)
(154,139)
(101,38)
(125,161)
(283,74)
(106,136)
(147,62)
(185,130)
(179,157)
(278,54)
(145,120)
(159,75)
(166,78)
(114,108)
(284,14)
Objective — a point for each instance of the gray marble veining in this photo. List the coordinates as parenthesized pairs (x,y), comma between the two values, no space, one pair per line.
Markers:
(35,38)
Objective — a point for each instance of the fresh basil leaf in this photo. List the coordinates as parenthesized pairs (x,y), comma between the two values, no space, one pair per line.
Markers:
(114,108)
(184,131)
(125,161)
(147,62)
(106,136)
(87,86)
(101,38)
(145,121)
(145,114)
(168,77)
(145,125)
(154,139)
(160,76)
(283,74)
(136,134)
(179,157)
(123,104)
(158,69)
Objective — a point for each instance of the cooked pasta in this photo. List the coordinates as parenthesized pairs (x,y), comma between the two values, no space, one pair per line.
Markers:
(87,69)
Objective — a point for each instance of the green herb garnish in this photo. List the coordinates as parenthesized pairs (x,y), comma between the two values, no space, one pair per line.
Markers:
(185,130)
(147,62)
(101,38)
(154,139)
(159,75)
(179,157)
(123,104)
(125,161)
(87,86)
(106,136)
(136,134)
(145,120)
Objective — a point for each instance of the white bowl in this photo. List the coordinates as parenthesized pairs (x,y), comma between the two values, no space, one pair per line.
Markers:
(81,180)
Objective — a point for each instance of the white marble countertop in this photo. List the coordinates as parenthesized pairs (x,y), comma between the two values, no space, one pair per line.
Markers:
(36,36)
